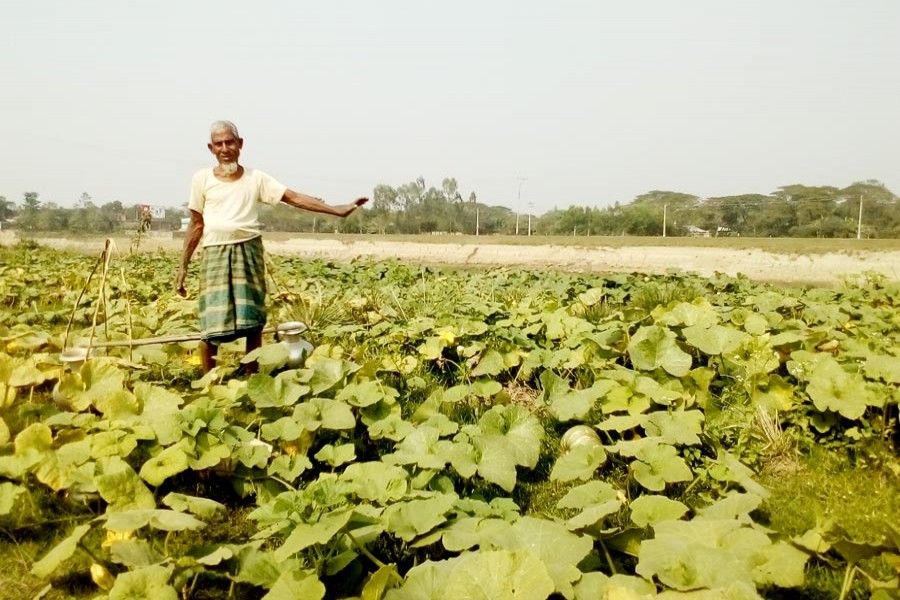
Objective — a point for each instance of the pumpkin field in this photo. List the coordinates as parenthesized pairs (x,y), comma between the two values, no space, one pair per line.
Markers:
(479,433)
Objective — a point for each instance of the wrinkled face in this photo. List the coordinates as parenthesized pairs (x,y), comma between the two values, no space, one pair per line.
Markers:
(225,146)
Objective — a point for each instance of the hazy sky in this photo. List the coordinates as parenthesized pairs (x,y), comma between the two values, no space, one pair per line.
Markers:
(592,102)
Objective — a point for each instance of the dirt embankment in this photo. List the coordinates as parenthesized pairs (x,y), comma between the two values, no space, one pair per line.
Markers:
(819,268)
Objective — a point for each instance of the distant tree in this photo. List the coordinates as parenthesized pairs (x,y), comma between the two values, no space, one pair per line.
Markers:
(31,202)
(28,219)
(7,208)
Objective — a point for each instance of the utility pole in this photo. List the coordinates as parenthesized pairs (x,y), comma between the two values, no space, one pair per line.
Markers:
(859,222)
(529,218)
(519,202)
(474,200)
(665,211)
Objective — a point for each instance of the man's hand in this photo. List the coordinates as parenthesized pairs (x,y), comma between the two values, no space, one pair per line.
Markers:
(179,283)
(347,209)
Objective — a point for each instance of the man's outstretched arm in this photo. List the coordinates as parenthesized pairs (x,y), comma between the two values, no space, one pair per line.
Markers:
(299,200)
(191,241)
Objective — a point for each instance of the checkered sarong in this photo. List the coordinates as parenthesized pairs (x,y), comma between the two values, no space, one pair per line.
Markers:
(232,290)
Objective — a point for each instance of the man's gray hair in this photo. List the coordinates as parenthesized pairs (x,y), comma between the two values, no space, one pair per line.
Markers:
(221,126)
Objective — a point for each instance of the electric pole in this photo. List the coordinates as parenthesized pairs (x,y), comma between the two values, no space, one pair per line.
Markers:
(519,201)
(859,222)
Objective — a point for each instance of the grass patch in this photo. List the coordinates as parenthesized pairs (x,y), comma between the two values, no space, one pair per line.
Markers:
(860,497)
(831,487)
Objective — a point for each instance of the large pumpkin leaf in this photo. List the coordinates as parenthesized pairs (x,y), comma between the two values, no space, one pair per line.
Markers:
(121,487)
(293,584)
(581,462)
(714,340)
(305,535)
(832,388)
(559,549)
(412,518)
(376,481)
(653,347)
(169,462)
(884,367)
(658,464)
(648,509)
(164,520)
(490,575)
(506,436)
(59,553)
(596,500)
(149,582)
(680,427)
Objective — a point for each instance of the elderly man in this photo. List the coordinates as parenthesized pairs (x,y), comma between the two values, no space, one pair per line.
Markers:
(224,203)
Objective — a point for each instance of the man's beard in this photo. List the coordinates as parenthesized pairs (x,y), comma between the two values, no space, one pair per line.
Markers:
(229,168)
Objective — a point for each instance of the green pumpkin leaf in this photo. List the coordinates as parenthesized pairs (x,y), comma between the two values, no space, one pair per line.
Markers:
(273,392)
(134,553)
(756,324)
(596,499)
(295,583)
(490,364)
(883,367)
(558,549)
(485,388)
(202,507)
(164,520)
(168,463)
(328,372)
(336,456)
(366,393)
(285,428)
(11,496)
(494,575)
(121,487)
(581,462)
(654,347)
(714,340)
(783,567)
(832,388)
(305,535)
(681,427)
(149,582)
(424,447)
(59,553)
(658,464)
(379,582)
(649,509)
(377,481)
(37,437)
(595,585)
(410,519)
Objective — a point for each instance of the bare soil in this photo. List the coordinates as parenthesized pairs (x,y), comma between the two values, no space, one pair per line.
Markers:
(820,268)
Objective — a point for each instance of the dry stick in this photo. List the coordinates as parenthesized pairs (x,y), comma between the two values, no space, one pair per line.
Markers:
(106,256)
(130,324)
(166,339)
(77,302)
(270,270)
(100,301)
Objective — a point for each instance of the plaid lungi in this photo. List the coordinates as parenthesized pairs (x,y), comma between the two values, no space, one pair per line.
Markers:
(232,291)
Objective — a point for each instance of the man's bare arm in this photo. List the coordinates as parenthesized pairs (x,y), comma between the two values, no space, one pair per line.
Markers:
(191,240)
(305,202)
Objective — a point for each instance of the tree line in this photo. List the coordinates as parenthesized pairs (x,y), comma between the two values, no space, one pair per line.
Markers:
(865,209)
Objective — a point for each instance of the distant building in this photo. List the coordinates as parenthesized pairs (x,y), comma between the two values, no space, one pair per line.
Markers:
(694,231)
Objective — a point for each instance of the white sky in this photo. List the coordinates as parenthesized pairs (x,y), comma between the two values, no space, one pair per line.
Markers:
(592,101)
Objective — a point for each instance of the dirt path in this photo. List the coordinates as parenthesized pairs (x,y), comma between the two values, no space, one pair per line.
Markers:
(819,269)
